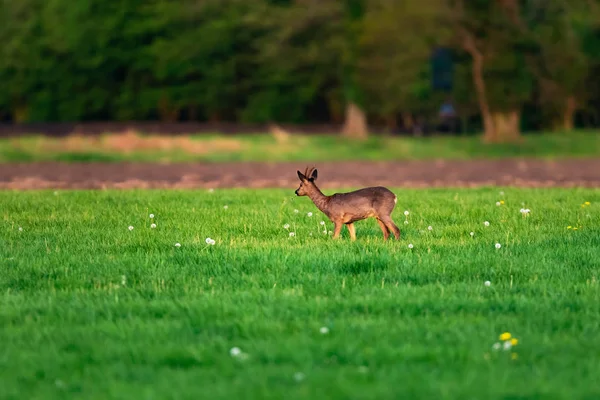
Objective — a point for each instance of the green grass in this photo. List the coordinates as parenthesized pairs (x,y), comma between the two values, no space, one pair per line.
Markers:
(90,309)
(214,148)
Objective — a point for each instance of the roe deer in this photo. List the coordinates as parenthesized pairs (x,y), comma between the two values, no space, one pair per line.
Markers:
(346,208)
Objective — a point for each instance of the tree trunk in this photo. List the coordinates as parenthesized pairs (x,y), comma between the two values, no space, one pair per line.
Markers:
(407,121)
(214,117)
(192,113)
(568,122)
(336,112)
(355,125)
(20,114)
(489,134)
(166,112)
(391,123)
(506,127)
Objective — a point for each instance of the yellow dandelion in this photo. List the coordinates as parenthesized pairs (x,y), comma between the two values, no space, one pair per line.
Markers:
(514,356)
(587,203)
(505,336)
(501,201)
(514,341)
(569,227)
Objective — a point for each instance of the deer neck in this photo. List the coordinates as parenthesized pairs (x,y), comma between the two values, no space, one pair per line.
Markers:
(318,198)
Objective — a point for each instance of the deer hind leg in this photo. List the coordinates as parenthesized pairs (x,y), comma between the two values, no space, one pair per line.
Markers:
(352,230)
(391,226)
(384,229)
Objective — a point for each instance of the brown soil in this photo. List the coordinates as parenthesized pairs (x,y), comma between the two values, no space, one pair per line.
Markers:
(525,173)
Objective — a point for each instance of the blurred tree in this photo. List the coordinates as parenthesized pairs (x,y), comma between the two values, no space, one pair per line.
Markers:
(291,67)
(397,42)
(86,61)
(501,78)
(289,60)
(21,56)
(318,40)
(200,55)
(56,68)
(558,30)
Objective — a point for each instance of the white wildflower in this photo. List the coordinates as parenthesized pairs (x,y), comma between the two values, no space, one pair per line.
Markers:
(151,216)
(406,222)
(177,245)
(486,223)
(498,245)
(21,229)
(496,346)
(153,226)
(410,246)
(211,190)
(296,211)
(498,203)
(309,214)
(292,234)
(225,207)
(322,222)
(507,345)
(325,232)
(286,226)
(406,213)
(324,330)
(430,228)
(487,283)
(123,280)
(210,241)
(130,228)
(472,234)
(299,376)
(235,351)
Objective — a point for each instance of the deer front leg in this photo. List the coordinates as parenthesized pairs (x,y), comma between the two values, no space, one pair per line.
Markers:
(351,230)
(337,229)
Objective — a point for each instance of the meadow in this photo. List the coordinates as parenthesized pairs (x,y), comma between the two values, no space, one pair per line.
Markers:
(132,146)
(244,294)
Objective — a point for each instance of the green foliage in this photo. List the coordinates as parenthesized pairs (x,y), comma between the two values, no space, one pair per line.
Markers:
(293,61)
(91,309)
(395,66)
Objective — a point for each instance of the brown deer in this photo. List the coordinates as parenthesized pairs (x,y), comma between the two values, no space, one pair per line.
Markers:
(346,208)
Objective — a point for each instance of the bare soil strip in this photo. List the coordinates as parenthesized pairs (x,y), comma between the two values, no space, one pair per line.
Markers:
(519,173)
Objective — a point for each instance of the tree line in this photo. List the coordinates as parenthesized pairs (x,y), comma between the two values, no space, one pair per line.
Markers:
(501,65)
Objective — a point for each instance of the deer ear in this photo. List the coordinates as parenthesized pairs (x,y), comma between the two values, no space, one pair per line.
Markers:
(313,176)
(301,176)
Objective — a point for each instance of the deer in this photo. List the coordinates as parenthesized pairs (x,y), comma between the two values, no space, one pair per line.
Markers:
(346,208)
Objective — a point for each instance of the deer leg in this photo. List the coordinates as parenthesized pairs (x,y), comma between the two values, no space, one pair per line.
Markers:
(352,230)
(337,229)
(392,227)
(384,229)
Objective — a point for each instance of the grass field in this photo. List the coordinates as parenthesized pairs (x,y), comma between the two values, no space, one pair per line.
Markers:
(91,309)
(215,148)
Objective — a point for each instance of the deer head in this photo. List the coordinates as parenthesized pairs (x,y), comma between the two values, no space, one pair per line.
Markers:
(307,181)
